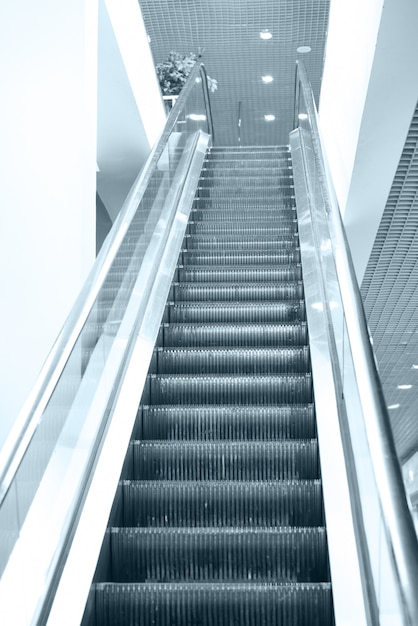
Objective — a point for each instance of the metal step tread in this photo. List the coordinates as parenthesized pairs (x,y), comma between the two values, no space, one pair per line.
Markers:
(246,181)
(249,193)
(237,291)
(233,422)
(221,460)
(237,273)
(231,242)
(283,202)
(254,389)
(220,503)
(203,604)
(256,229)
(245,265)
(213,554)
(233,334)
(270,167)
(236,312)
(235,258)
(271,213)
(183,360)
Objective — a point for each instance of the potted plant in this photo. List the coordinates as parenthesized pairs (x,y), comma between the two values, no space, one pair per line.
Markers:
(173,73)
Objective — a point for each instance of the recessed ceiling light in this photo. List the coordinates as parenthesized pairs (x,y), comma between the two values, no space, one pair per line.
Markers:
(393,406)
(269,118)
(267,79)
(266,34)
(303,116)
(415,366)
(303,49)
(404,386)
(197,117)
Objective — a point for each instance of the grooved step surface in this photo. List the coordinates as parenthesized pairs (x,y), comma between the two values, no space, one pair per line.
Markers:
(230,312)
(250,193)
(270,215)
(226,258)
(248,178)
(234,241)
(232,361)
(220,460)
(295,604)
(236,203)
(237,291)
(178,423)
(250,169)
(211,555)
(241,228)
(220,504)
(243,335)
(239,389)
(236,274)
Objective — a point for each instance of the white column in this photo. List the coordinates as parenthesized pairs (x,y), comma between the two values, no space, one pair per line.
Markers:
(368,97)
(131,115)
(48,110)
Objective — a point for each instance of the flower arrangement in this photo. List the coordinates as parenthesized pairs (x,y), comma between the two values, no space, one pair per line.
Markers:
(173,72)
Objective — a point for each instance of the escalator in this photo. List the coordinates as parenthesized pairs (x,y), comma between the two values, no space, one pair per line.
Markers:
(171,466)
(218,518)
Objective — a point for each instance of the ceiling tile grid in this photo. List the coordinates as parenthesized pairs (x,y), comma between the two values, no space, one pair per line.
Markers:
(390,295)
(236,56)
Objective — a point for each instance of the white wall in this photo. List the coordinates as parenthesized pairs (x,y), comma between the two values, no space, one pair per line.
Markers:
(352,34)
(368,96)
(48,114)
(131,114)
(78,87)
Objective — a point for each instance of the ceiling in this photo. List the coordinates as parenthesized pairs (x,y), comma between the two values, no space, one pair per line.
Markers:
(229,33)
(234,54)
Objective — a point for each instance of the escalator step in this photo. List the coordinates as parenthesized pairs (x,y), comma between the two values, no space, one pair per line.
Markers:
(297,604)
(228,389)
(284,199)
(226,187)
(233,241)
(226,422)
(270,168)
(271,214)
(237,191)
(232,361)
(243,312)
(232,274)
(214,555)
(233,335)
(241,228)
(237,291)
(248,179)
(200,504)
(220,460)
(247,154)
(226,257)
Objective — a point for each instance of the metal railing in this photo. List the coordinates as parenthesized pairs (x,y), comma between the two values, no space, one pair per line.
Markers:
(395,552)
(14,448)
(58,432)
